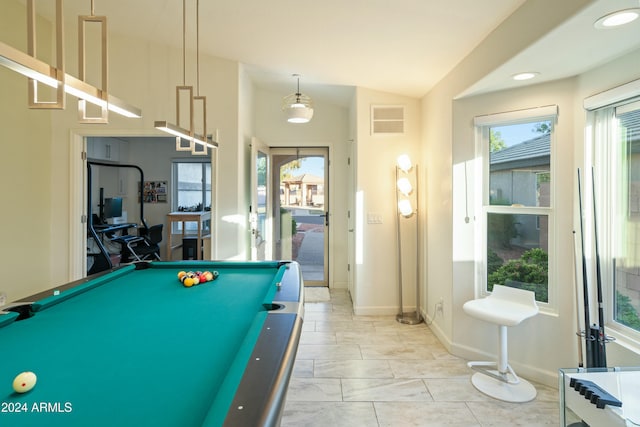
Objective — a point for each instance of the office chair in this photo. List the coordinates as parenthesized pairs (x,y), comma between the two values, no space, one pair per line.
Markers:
(147,245)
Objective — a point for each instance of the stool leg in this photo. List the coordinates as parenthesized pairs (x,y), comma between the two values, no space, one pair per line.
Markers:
(502,349)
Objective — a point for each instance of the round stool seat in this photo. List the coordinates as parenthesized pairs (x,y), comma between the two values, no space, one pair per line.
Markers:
(505,306)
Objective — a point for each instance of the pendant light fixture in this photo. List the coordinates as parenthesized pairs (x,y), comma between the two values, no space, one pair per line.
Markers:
(298,107)
(39,72)
(196,142)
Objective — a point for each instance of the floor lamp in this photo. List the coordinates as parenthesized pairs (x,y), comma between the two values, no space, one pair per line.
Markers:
(404,192)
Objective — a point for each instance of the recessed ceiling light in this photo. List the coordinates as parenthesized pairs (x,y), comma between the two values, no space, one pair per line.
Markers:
(617,18)
(525,76)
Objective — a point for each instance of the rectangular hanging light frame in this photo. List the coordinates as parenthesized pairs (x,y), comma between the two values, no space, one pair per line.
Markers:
(58,71)
(38,71)
(190,134)
(177,131)
(194,150)
(104,77)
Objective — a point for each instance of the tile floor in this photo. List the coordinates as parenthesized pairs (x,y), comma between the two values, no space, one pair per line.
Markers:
(373,371)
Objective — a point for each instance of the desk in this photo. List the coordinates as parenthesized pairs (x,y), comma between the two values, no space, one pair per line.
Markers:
(621,383)
(133,347)
(113,228)
(184,217)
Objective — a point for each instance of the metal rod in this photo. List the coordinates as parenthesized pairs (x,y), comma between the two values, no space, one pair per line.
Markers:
(601,350)
(399,242)
(198,50)
(417,190)
(585,288)
(579,330)
(184,43)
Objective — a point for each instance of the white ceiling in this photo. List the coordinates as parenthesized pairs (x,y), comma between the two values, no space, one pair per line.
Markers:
(401,46)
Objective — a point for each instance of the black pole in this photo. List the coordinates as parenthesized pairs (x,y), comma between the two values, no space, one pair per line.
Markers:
(601,350)
(589,347)
(579,329)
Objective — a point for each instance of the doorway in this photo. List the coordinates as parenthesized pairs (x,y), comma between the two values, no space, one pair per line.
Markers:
(300,209)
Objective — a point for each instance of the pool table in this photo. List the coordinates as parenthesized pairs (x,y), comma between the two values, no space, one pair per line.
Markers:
(134,347)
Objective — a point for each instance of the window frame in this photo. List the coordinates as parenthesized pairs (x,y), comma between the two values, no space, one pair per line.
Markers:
(177,226)
(608,195)
(482,130)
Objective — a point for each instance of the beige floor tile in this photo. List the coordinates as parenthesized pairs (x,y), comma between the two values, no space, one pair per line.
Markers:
(329,351)
(371,338)
(314,390)
(312,337)
(498,413)
(427,414)
(384,390)
(329,414)
(352,369)
(395,351)
(303,368)
(454,390)
(372,371)
(436,368)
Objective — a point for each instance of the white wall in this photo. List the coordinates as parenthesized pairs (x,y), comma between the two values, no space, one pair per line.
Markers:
(548,333)
(328,128)
(25,174)
(142,73)
(376,281)
(547,342)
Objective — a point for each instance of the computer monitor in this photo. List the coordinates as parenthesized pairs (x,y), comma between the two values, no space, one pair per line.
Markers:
(112,207)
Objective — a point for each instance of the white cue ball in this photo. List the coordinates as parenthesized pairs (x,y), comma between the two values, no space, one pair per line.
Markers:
(24,382)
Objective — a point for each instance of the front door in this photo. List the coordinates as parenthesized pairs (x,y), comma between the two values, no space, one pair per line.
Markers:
(301,210)
(259,212)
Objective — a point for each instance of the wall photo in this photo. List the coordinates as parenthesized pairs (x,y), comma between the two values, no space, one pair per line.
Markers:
(154,192)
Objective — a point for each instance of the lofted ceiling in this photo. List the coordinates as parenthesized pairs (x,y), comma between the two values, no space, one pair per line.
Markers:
(401,46)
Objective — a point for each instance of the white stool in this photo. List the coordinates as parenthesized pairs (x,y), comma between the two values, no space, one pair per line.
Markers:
(505,306)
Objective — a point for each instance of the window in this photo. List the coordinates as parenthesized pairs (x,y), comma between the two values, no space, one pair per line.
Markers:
(615,132)
(191,188)
(517,201)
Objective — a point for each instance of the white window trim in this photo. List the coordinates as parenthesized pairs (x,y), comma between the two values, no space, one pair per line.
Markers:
(482,125)
(174,185)
(621,99)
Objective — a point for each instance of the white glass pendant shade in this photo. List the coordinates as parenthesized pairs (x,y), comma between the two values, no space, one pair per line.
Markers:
(404,163)
(298,107)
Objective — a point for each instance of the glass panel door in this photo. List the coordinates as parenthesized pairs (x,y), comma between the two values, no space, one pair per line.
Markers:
(301,209)
(259,214)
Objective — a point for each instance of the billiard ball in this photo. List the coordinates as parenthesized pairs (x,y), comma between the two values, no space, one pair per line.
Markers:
(215,275)
(24,382)
(181,274)
(188,282)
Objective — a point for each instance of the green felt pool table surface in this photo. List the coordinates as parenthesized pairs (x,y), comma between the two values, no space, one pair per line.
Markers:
(136,348)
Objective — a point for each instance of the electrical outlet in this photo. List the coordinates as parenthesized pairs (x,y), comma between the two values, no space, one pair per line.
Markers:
(440,306)
(3,299)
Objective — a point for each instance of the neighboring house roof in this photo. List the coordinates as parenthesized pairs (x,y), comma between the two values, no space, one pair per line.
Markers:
(530,153)
(306,178)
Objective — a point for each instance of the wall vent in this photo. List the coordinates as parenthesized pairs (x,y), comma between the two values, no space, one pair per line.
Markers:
(387,119)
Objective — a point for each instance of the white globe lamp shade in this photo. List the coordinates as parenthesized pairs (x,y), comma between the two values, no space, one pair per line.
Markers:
(405,209)
(404,186)
(404,163)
